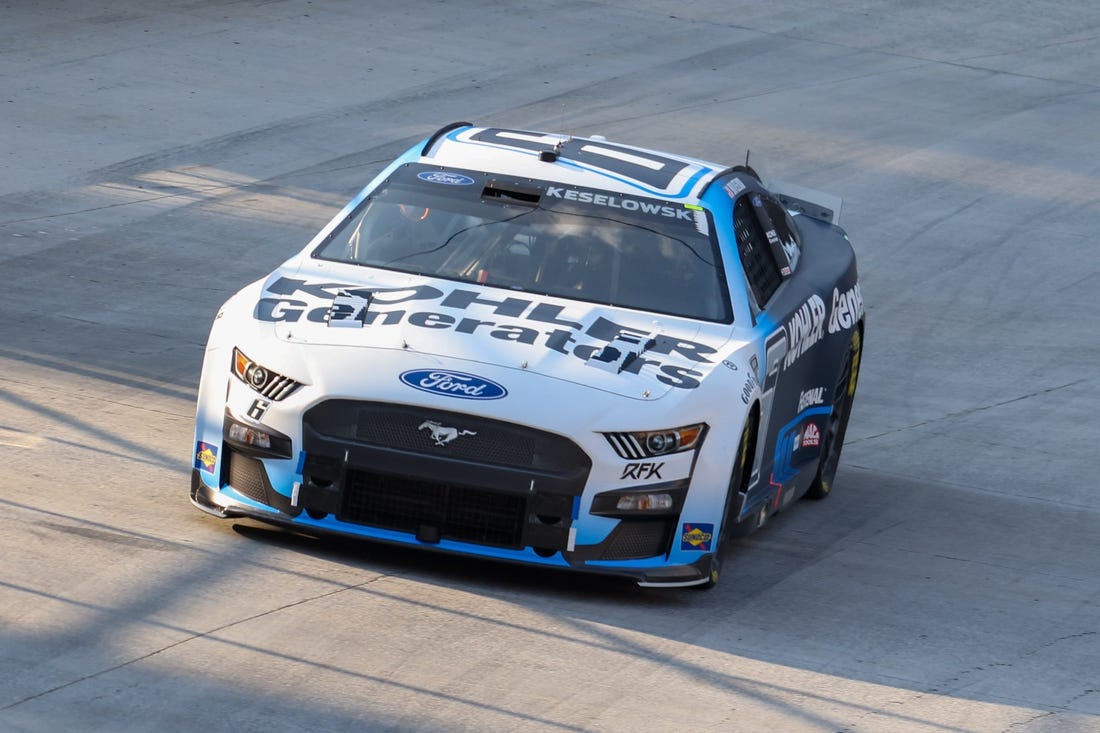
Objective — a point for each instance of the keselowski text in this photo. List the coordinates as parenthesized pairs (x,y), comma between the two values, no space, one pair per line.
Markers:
(617,202)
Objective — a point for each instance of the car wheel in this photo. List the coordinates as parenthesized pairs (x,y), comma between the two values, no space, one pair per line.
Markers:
(833,439)
(739,481)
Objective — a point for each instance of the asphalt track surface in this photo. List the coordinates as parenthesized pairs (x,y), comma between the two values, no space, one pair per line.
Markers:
(156,156)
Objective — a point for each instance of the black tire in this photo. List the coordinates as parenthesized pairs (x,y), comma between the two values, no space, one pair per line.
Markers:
(739,481)
(833,440)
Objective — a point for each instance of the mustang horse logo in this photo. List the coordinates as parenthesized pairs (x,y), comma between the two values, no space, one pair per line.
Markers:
(443,435)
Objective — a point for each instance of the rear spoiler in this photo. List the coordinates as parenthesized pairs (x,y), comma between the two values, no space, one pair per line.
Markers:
(801,200)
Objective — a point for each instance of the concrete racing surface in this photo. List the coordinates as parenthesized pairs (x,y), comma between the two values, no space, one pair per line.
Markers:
(154,157)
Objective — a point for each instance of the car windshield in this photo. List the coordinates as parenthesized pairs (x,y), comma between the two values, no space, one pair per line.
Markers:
(538,237)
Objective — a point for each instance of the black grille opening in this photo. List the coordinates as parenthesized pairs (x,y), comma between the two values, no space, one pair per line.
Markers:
(487,444)
(246,475)
(634,539)
(426,508)
(449,435)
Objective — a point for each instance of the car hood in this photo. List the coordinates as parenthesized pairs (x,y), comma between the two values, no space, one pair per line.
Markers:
(460,325)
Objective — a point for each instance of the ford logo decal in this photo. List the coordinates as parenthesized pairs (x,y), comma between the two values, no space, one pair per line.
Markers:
(453,384)
(448,179)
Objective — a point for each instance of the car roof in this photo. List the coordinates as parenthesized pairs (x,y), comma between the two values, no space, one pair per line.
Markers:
(591,162)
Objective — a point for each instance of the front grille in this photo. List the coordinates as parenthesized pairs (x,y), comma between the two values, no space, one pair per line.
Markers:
(445,434)
(433,509)
(492,445)
(440,475)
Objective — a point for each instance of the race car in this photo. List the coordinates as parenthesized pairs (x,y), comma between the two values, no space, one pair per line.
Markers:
(545,349)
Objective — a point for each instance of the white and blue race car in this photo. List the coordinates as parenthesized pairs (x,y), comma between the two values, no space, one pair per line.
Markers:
(544,349)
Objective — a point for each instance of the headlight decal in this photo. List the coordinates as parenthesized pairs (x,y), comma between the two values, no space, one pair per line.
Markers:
(626,445)
(268,383)
(641,444)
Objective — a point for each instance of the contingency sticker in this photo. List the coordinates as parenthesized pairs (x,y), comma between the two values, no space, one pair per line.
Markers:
(206,456)
(696,537)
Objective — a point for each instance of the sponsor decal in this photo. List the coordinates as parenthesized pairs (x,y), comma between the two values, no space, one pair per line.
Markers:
(734,187)
(447,179)
(811,398)
(806,328)
(811,436)
(443,434)
(847,309)
(729,365)
(655,208)
(511,318)
(453,384)
(206,455)
(645,470)
(696,537)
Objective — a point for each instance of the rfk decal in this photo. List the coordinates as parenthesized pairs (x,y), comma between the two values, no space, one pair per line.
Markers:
(642,470)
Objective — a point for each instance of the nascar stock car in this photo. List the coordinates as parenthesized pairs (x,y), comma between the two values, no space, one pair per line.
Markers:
(545,349)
